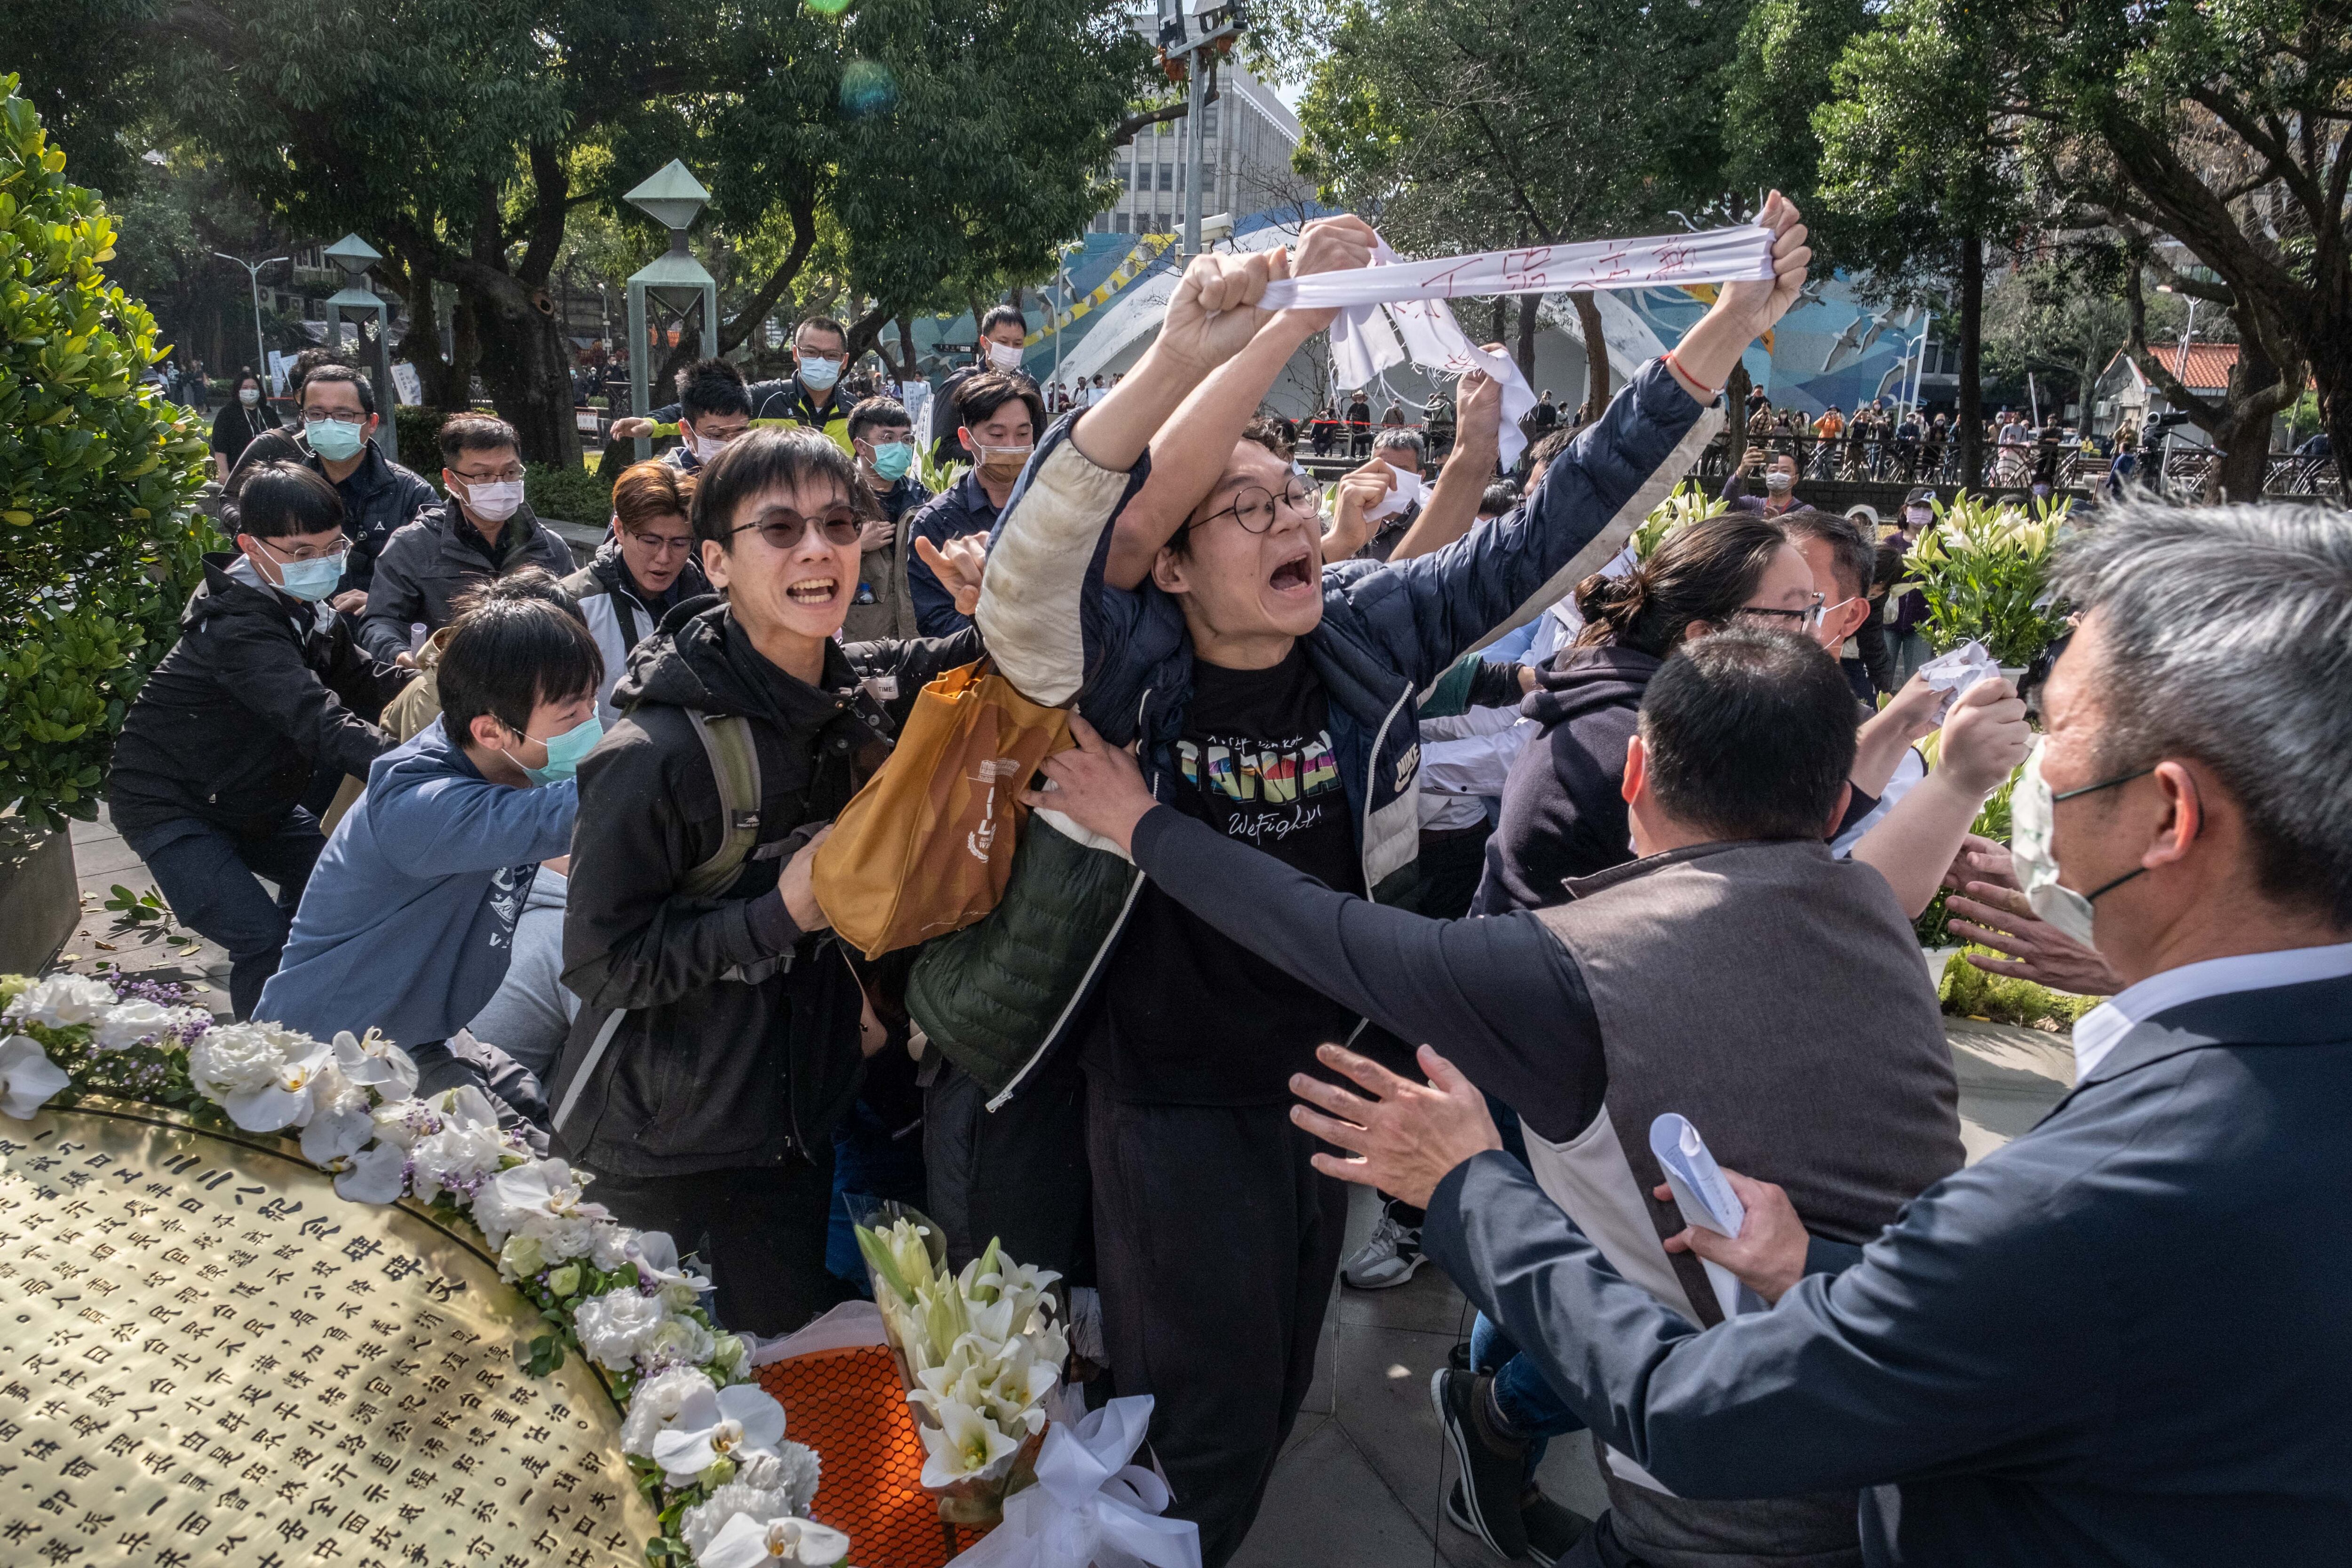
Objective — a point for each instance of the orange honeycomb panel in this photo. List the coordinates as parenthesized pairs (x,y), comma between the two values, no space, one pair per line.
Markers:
(849,1405)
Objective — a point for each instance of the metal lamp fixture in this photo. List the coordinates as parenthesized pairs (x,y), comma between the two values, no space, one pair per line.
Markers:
(354,256)
(673,289)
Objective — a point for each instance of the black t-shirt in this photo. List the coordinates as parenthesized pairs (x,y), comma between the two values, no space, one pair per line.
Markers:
(1190,1016)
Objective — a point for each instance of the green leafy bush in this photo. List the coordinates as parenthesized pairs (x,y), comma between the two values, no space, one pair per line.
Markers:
(1933,926)
(1984,570)
(100,542)
(418,430)
(568,494)
(1967,992)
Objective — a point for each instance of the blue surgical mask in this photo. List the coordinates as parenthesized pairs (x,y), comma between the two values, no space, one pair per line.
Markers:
(336,439)
(311,579)
(564,753)
(893,458)
(819,374)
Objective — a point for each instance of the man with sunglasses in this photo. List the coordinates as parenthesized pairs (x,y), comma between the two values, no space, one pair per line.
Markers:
(264,688)
(720,1036)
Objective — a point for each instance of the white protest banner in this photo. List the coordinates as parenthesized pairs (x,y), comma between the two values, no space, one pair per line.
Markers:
(1396,309)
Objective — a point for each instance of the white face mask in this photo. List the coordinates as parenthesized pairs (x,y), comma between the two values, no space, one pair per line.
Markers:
(1003,358)
(494,500)
(705,447)
(248,395)
(2032,824)
(1779,483)
(1918,516)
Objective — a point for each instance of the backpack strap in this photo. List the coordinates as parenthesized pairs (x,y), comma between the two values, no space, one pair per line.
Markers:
(735,764)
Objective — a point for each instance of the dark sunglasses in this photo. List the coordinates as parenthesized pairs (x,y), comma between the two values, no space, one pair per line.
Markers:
(784,530)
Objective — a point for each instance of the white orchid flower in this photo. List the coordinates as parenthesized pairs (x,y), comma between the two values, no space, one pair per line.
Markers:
(376,1175)
(286,1100)
(965,1442)
(748,1543)
(731,1422)
(28,1080)
(547,1190)
(655,1255)
(133,1022)
(658,1405)
(371,1061)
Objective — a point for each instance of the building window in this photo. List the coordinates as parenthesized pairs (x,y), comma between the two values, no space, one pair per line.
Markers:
(1209,119)
(1167,176)
(1118,222)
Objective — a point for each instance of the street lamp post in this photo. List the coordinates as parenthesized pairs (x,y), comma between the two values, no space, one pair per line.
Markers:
(2188,337)
(352,257)
(253,277)
(673,283)
(1217,19)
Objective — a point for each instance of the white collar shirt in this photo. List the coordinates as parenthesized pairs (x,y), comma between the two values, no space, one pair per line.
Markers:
(2096,1032)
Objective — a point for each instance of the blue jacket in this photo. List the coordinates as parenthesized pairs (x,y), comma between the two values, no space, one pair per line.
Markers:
(1063,635)
(408,921)
(2118,1339)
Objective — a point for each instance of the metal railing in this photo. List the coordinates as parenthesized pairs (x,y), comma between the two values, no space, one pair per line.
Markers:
(2009,465)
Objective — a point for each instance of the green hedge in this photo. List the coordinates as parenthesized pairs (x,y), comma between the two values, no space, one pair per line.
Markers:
(99,542)
(569,494)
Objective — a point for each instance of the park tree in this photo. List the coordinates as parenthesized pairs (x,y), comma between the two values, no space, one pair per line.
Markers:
(2220,127)
(1476,124)
(99,538)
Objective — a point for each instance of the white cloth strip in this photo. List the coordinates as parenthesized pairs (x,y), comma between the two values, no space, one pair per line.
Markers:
(1716,255)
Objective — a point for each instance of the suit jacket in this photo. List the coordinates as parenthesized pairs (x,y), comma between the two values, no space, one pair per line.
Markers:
(2119,1339)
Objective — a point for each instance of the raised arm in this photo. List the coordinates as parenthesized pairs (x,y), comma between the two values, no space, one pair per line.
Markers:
(1913,846)
(1454,503)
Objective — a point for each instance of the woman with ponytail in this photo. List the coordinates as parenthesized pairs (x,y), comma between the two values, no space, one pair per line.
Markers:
(1563,814)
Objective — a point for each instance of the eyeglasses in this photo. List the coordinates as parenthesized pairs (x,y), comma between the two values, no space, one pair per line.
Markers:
(307,551)
(1804,620)
(784,530)
(1253,506)
(656,544)
(505,476)
(320,416)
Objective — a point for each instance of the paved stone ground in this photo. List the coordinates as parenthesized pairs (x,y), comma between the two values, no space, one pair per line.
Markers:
(1360,1484)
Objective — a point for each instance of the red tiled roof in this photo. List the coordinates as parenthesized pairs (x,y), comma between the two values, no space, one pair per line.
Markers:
(2209,364)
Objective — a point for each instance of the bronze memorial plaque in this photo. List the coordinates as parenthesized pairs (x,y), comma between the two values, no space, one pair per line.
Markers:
(211,1359)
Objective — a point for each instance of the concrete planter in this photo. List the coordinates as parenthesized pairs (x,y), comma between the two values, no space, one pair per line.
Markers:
(40,897)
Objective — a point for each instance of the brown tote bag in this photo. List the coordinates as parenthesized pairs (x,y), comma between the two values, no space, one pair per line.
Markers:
(926,847)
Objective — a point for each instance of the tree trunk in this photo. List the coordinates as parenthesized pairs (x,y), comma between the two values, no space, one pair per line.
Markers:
(1970,415)
(1596,352)
(907,350)
(529,374)
(1495,332)
(1529,304)
(2259,390)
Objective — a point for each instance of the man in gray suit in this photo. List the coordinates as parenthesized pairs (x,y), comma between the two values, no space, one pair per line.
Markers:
(2121,1338)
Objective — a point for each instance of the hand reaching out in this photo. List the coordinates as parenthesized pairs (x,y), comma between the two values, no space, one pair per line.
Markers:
(1478,407)
(1988,908)
(1764,303)
(1096,786)
(1985,736)
(1358,490)
(1330,244)
(1213,312)
(630,427)
(795,884)
(960,564)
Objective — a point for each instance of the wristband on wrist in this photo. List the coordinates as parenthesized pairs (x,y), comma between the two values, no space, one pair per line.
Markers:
(1683,370)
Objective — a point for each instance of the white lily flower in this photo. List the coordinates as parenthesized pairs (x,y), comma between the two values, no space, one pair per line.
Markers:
(285,1100)
(747,1543)
(28,1080)
(964,1443)
(61,1001)
(724,1425)
(374,1175)
(374,1062)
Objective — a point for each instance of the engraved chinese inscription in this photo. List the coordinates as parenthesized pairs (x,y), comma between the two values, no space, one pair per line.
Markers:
(208,1358)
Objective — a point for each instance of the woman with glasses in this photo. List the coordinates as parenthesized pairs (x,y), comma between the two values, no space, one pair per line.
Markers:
(721,1032)
(265,690)
(643,571)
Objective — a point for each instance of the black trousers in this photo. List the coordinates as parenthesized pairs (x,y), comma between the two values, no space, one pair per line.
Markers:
(760,1233)
(1216,1244)
(1018,1175)
(209,877)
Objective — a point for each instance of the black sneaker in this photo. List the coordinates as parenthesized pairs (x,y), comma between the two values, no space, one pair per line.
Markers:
(1492,1476)
(1458,1358)
(1551,1529)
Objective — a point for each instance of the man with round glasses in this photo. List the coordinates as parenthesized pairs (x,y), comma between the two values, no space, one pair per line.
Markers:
(1272,699)
(265,688)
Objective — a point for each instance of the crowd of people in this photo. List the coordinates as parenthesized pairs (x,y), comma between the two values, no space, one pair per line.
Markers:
(1426,821)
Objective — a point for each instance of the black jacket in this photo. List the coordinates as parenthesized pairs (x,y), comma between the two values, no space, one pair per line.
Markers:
(1562,815)
(963,508)
(707,1072)
(259,691)
(380,499)
(439,556)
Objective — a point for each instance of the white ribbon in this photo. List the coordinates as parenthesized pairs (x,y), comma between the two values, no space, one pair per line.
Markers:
(1394,309)
(1091,1508)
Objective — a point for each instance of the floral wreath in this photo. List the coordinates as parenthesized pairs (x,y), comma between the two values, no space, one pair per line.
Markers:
(706,1445)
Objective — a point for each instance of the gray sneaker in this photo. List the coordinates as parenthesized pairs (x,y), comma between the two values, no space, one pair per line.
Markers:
(1391,1258)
